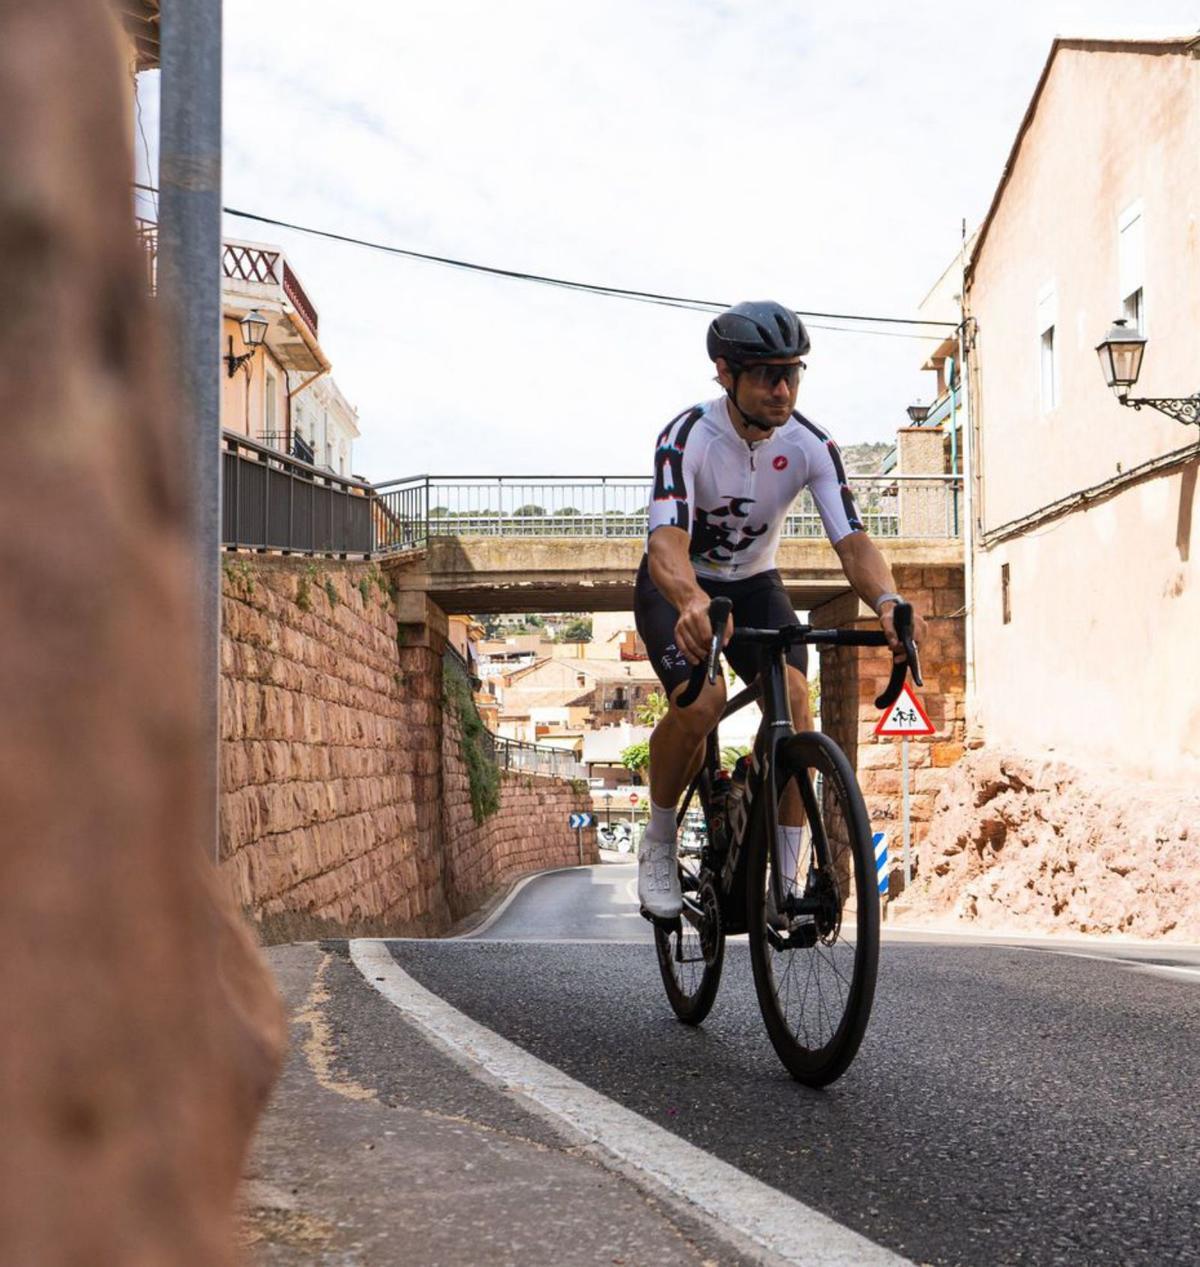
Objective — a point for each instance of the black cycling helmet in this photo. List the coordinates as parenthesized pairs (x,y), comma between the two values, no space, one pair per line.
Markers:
(755,331)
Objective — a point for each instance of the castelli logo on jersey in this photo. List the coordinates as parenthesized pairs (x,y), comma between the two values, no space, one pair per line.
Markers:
(780,463)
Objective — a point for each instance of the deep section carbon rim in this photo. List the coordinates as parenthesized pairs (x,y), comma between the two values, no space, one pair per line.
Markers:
(815,960)
(691,952)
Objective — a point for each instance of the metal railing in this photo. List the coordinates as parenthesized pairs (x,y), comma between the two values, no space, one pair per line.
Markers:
(271,501)
(517,754)
(892,506)
(534,758)
(384,519)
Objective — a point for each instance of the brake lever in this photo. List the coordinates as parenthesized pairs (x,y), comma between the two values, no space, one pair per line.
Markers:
(718,615)
(902,616)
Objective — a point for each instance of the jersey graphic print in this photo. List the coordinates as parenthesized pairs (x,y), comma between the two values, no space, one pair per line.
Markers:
(835,454)
(732,497)
(669,483)
(716,532)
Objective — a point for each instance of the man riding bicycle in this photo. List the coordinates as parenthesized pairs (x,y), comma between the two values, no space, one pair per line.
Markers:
(726,472)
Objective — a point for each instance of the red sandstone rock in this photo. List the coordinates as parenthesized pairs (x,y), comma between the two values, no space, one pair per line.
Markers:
(1045,846)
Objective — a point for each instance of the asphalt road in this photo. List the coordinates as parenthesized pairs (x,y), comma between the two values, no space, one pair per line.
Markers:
(1010,1104)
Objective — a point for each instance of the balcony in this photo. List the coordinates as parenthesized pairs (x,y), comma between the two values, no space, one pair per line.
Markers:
(258,276)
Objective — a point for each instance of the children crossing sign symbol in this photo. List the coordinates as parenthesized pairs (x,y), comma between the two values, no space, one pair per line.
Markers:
(905,717)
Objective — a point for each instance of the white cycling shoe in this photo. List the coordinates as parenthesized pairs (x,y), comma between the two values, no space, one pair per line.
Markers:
(658,878)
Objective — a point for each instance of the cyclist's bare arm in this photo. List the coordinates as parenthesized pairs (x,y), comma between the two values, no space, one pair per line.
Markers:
(869,575)
(672,573)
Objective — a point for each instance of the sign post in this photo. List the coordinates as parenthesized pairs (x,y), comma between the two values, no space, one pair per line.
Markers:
(579,822)
(905,717)
(879,841)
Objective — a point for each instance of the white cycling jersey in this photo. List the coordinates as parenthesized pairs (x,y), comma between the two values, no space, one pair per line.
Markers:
(731,496)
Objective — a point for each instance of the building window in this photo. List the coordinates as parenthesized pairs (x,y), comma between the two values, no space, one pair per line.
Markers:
(1047,322)
(1005,595)
(1131,265)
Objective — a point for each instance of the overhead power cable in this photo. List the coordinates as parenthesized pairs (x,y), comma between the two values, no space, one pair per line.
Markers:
(592,288)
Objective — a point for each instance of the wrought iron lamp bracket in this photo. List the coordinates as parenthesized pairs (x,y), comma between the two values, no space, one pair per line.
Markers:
(234,363)
(1184,409)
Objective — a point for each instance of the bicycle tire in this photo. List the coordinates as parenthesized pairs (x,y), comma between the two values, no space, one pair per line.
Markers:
(815,980)
(690,959)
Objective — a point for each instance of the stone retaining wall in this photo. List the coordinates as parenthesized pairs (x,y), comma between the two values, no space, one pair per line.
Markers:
(333,813)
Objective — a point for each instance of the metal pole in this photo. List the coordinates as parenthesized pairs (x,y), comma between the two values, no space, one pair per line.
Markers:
(968,462)
(189,278)
(579,842)
(904,781)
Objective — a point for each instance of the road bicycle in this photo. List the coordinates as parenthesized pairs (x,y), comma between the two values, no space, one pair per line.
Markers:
(810,905)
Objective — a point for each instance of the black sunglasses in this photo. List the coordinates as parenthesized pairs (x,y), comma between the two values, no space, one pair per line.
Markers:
(771,375)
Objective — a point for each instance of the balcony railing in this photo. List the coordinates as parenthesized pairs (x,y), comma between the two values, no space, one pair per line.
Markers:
(271,501)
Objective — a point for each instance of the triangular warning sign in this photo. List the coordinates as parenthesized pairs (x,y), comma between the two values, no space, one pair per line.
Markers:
(905,717)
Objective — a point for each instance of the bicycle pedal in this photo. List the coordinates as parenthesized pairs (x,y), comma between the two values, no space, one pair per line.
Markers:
(669,923)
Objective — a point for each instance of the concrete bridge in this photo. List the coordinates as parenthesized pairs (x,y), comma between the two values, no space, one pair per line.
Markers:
(477,574)
(528,544)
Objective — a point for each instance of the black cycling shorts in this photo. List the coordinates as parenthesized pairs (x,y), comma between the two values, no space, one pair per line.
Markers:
(759,602)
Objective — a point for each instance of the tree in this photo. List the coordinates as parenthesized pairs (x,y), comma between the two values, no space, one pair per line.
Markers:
(528,512)
(577,630)
(636,758)
(652,709)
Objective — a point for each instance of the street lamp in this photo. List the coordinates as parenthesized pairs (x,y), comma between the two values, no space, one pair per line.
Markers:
(1120,352)
(918,413)
(254,332)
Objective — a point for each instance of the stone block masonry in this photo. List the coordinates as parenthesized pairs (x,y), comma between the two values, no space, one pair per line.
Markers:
(343,809)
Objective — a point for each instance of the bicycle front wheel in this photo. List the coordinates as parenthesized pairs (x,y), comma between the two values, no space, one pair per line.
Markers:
(691,949)
(815,955)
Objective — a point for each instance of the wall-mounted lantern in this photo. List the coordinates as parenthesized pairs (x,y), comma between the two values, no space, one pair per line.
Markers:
(254,332)
(1120,352)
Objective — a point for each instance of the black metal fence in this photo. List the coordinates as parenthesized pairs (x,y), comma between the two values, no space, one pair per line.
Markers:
(276,501)
(271,501)
(516,754)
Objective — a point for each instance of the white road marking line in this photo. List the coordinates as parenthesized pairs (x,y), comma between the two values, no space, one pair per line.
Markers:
(1164,969)
(779,1224)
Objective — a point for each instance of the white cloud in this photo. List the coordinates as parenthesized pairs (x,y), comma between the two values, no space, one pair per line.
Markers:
(823,156)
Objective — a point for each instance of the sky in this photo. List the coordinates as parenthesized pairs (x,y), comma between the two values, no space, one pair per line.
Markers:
(824,156)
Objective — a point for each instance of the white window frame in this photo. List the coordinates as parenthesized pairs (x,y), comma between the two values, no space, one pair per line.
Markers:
(1131,260)
(1046,313)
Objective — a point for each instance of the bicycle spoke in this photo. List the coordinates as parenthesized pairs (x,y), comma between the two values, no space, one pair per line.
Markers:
(815,974)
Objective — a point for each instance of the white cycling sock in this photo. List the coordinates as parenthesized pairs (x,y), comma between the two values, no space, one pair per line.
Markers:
(789,850)
(662,822)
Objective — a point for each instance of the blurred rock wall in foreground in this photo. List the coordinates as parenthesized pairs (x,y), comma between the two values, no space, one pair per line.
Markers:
(140,1031)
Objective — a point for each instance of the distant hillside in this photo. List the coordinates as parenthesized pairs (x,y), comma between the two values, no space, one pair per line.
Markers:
(864,459)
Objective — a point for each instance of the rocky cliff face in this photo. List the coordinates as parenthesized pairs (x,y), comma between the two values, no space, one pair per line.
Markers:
(1045,846)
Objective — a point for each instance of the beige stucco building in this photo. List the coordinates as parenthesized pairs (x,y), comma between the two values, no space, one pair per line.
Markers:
(1086,606)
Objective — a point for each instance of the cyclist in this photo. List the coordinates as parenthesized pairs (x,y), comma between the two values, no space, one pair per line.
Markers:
(726,473)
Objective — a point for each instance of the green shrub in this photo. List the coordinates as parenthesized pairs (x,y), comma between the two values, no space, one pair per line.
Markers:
(482,774)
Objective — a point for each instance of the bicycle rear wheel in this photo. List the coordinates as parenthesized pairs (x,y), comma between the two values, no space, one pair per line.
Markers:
(691,949)
(815,961)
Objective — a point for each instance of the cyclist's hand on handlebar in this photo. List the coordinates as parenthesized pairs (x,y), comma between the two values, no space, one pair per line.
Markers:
(895,646)
(693,632)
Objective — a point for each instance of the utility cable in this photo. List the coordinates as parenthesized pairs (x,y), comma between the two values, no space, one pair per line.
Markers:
(593,288)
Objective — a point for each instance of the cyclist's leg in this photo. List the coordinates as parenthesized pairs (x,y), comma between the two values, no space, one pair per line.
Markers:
(763,603)
(676,746)
(677,743)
